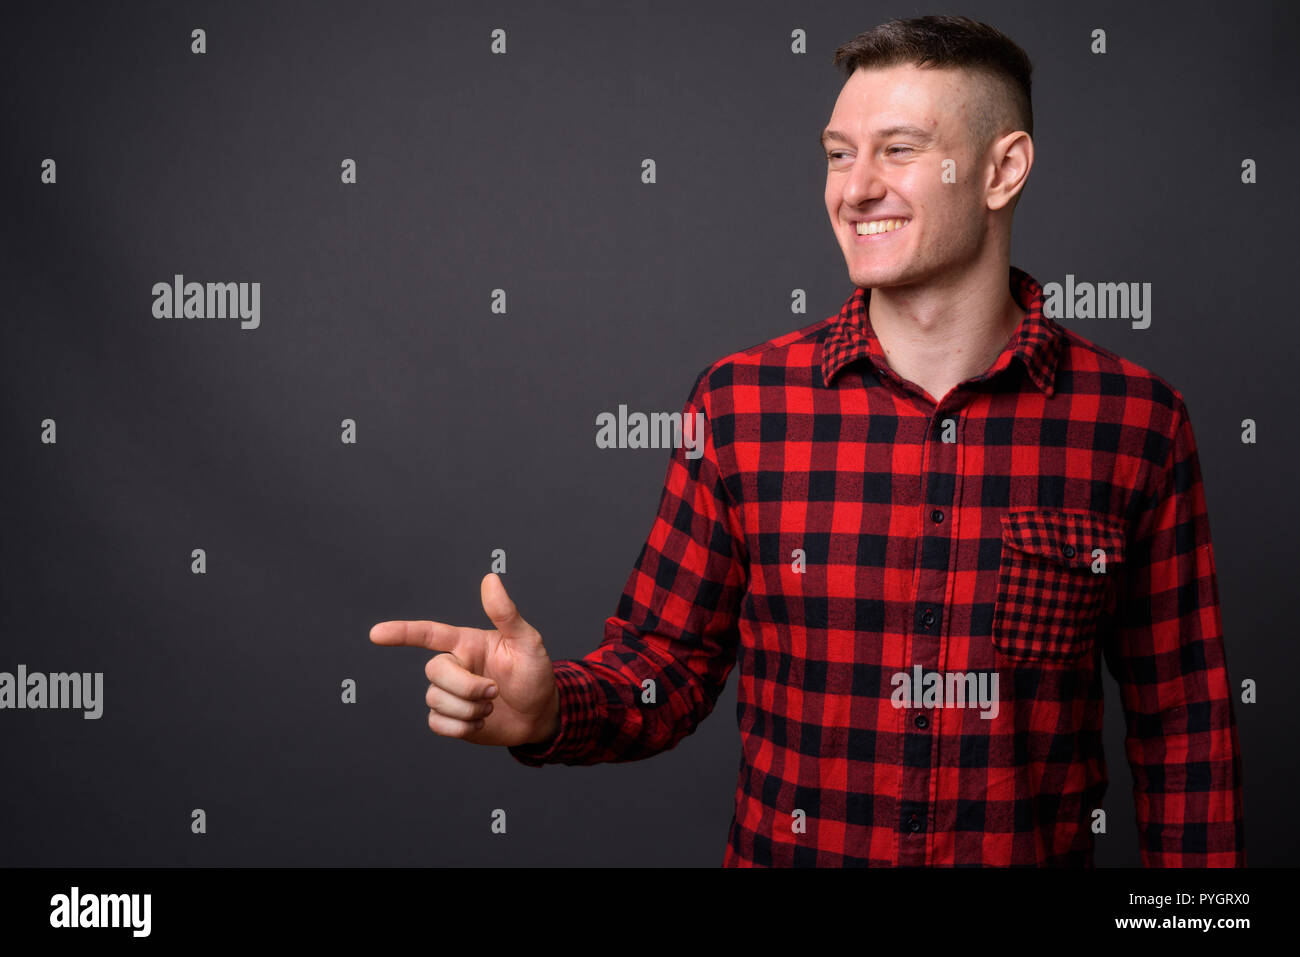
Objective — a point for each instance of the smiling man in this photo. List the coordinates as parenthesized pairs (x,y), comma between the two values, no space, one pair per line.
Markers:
(921,527)
(921,183)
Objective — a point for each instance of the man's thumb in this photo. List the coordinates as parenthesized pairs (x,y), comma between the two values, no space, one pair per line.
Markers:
(502,611)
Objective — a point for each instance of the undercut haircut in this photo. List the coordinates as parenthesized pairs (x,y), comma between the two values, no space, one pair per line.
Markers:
(1003,105)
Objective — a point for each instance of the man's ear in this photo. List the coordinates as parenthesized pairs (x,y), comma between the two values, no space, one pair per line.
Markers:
(1012,159)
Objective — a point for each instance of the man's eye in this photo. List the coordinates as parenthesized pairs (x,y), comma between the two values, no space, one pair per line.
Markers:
(834,154)
(892,148)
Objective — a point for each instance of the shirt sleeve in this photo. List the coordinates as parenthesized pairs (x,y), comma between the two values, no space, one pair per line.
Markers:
(667,651)
(1167,656)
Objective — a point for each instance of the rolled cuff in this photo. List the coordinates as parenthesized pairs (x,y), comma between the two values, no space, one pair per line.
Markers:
(579,719)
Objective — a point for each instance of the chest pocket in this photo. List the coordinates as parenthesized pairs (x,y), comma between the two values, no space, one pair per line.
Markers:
(1054,582)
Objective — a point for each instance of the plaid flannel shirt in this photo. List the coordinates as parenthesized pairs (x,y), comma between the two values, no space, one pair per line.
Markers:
(840,530)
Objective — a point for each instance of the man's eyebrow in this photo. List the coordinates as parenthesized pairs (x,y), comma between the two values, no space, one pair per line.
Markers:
(828,135)
(901,129)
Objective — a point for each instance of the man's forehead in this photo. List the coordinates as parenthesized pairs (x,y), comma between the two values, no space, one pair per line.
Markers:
(904,99)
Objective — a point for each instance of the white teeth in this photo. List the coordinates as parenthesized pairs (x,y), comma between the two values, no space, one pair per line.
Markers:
(880,226)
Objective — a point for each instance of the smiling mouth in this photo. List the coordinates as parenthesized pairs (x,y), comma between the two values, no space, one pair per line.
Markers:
(878,226)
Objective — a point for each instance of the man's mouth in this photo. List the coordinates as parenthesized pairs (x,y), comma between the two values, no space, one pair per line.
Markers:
(876,227)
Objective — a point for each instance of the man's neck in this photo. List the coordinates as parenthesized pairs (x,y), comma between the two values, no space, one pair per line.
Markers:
(938,337)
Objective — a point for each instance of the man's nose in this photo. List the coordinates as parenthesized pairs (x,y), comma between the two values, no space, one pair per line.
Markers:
(864,183)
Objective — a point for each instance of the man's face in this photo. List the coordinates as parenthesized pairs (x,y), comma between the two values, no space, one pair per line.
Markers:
(873,173)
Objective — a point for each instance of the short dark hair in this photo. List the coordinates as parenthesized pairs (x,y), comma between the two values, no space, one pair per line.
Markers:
(953,42)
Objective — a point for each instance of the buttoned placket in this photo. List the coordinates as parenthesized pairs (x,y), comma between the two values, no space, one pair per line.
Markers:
(939,472)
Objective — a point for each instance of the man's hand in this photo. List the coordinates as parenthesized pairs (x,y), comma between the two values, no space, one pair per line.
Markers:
(487,687)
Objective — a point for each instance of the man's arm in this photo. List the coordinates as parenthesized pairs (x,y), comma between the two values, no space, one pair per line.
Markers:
(1167,655)
(675,625)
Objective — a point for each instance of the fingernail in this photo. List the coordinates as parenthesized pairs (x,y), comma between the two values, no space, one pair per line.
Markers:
(491,692)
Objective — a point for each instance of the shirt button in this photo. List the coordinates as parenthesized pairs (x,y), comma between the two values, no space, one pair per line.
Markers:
(927,618)
(1068,551)
(921,721)
(936,516)
(913,823)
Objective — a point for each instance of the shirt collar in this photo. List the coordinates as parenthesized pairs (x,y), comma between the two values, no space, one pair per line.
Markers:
(1037,343)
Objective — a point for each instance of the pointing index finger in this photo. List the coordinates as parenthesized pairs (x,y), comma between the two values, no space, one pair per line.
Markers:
(433,635)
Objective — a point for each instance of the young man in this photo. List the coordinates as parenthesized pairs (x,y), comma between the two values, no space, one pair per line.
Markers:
(920,526)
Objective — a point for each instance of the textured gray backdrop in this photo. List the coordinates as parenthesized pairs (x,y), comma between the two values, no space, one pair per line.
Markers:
(476,430)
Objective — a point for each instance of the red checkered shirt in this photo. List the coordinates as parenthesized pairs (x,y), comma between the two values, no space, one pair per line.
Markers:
(840,530)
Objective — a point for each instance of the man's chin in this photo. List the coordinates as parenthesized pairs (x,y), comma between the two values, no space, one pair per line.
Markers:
(876,278)
(882,277)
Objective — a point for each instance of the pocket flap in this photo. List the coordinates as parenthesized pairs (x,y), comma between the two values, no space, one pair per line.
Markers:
(1064,537)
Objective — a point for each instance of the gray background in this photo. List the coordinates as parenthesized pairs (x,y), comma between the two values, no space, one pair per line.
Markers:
(476,431)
